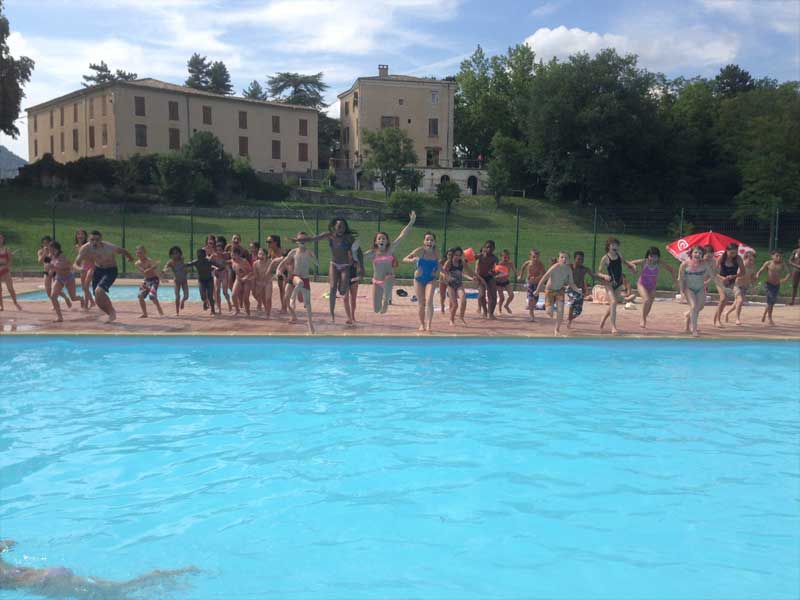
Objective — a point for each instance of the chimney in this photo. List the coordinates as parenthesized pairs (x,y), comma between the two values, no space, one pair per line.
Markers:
(383,70)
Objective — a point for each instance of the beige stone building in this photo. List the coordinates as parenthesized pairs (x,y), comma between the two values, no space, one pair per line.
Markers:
(421,107)
(120,119)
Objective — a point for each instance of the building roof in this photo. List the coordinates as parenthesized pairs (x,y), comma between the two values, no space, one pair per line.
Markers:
(399,79)
(165,86)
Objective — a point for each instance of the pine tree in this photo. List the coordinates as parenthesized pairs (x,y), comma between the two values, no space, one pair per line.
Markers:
(199,76)
(219,80)
(254,91)
(102,74)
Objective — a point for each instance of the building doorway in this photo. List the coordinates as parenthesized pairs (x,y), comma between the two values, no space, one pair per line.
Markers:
(472,184)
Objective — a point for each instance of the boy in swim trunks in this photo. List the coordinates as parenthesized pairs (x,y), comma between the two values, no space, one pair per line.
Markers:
(205,278)
(503,271)
(554,282)
(579,272)
(487,287)
(742,285)
(149,286)
(774,268)
(302,258)
(532,270)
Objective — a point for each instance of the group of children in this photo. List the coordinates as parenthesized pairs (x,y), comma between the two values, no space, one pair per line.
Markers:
(243,276)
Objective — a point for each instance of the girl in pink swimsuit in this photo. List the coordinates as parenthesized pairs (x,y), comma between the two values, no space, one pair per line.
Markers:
(5,273)
(648,280)
(383,264)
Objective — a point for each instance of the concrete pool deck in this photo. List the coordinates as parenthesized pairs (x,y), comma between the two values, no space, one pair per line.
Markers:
(666,319)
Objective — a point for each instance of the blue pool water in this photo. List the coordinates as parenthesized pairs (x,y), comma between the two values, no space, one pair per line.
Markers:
(406,468)
(166,292)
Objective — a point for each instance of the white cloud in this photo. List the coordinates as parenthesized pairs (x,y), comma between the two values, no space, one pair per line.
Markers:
(546,9)
(782,16)
(662,50)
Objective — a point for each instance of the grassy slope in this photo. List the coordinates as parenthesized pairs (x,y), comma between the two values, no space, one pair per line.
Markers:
(24,218)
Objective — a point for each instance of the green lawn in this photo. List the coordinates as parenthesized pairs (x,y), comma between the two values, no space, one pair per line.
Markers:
(24,218)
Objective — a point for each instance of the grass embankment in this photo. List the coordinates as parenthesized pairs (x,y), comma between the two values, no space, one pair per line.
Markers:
(25,218)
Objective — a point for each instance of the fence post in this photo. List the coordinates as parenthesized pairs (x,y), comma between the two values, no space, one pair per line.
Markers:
(191,233)
(444,244)
(516,240)
(122,258)
(380,218)
(53,218)
(316,242)
(258,237)
(777,224)
(594,245)
(681,229)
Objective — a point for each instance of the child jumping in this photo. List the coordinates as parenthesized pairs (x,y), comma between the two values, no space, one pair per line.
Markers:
(774,269)
(178,268)
(205,279)
(532,270)
(149,287)
(554,282)
(302,258)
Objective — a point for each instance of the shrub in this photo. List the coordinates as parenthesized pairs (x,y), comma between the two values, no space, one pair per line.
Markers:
(293,181)
(402,203)
(177,178)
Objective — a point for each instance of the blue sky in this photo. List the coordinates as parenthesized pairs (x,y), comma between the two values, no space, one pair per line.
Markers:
(349,38)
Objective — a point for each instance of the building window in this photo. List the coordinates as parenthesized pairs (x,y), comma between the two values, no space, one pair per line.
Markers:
(346,108)
(173,111)
(302,152)
(432,157)
(242,119)
(174,139)
(74,140)
(433,127)
(434,97)
(400,101)
(51,119)
(206,115)
(36,147)
(75,113)
(346,136)
(51,145)
(390,122)
(61,116)
(243,146)
(35,123)
(91,108)
(303,127)
(276,124)
(104,135)
(103,107)
(61,142)
(355,99)
(141,135)
(91,136)
(138,105)
(276,149)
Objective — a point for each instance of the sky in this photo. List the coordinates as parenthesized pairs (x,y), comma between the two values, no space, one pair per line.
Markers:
(346,39)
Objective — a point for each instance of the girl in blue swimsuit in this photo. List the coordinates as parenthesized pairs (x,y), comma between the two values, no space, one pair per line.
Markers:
(425,277)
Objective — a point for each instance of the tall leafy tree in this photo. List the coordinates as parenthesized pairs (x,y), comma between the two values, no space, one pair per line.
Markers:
(298,89)
(102,74)
(389,152)
(732,80)
(14,74)
(199,76)
(219,79)
(328,137)
(254,91)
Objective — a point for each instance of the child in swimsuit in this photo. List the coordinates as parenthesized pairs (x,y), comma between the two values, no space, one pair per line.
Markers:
(63,278)
(219,260)
(301,258)
(487,287)
(532,270)
(6,256)
(262,282)
(741,287)
(728,266)
(693,275)
(427,259)
(610,271)
(555,281)
(774,268)
(794,262)
(149,286)
(44,256)
(579,272)
(205,279)
(503,270)
(384,263)
(454,269)
(178,268)
(87,267)
(341,240)
(443,280)
(648,280)
(244,277)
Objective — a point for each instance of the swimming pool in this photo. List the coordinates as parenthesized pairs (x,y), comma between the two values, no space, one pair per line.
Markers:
(401,468)
(166,292)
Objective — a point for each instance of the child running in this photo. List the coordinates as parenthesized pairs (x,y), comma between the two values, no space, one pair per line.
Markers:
(427,259)
(242,284)
(648,280)
(532,270)
(6,257)
(205,278)
(301,258)
(384,263)
(610,271)
(443,280)
(219,259)
(741,288)
(63,277)
(454,269)
(149,287)
(729,266)
(81,238)
(341,239)
(487,287)
(262,280)
(178,268)
(693,275)
(555,281)
(794,261)
(774,269)
(503,271)
(44,255)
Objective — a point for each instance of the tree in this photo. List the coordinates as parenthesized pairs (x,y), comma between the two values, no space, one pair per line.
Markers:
(448,193)
(303,90)
(254,91)
(328,136)
(205,149)
(219,80)
(389,151)
(732,80)
(410,179)
(102,74)
(199,76)
(14,74)
(499,183)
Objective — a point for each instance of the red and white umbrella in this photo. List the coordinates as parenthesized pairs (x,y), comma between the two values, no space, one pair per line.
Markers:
(680,248)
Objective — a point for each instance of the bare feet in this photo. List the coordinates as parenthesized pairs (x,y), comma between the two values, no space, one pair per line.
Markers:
(695,333)
(739,322)
(614,331)
(462,320)
(58,320)
(421,328)
(143,316)
(771,323)
(452,323)
(112,316)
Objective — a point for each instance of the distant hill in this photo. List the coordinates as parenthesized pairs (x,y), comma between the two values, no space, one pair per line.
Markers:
(10,163)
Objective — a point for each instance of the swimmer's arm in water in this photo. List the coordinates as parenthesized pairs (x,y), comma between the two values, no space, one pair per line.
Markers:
(412,218)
